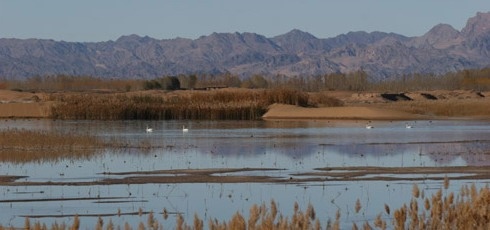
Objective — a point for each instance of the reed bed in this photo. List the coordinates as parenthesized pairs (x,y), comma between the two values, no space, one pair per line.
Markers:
(450,108)
(45,146)
(323,99)
(467,210)
(196,105)
(470,209)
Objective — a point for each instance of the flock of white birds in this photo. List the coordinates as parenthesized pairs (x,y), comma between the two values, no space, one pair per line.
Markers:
(184,129)
(368,126)
(150,130)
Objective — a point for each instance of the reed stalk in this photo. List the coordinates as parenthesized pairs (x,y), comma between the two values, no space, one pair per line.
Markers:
(46,146)
(196,105)
(468,210)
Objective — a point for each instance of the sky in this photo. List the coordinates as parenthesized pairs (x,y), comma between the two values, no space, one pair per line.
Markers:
(103,20)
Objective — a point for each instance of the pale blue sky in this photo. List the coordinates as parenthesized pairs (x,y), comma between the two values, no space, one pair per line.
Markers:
(102,20)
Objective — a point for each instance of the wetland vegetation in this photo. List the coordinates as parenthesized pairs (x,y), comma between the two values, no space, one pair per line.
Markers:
(467,209)
(133,185)
(228,97)
(93,150)
(214,105)
(21,145)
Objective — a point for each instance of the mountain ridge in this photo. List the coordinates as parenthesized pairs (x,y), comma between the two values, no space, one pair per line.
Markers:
(296,53)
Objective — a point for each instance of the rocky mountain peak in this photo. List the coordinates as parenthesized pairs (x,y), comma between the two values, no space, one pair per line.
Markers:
(129,38)
(296,53)
(443,30)
(440,36)
(477,25)
(297,35)
(297,41)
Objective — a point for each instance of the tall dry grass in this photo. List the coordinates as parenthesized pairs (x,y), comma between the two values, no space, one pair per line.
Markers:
(262,217)
(470,209)
(450,107)
(21,146)
(323,99)
(65,83)
(199,105)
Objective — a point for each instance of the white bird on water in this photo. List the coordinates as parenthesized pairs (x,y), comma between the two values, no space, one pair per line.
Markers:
(408,126)
(369,127)
(184,129)
(148,129)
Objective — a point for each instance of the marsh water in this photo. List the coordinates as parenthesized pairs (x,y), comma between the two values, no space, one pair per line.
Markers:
(293,147)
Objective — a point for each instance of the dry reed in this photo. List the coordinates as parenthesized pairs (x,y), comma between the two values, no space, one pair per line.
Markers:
(45,146)
(209,105)
(468,210)
(449,108)
(51,146)
(358,206)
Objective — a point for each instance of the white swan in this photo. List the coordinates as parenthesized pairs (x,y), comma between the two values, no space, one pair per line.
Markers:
(184,129)
(369,127)
(408,126)
(148,129)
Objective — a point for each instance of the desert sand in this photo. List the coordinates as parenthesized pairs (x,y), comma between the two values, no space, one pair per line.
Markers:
(15,104)
(25,110)
(279,111)
(356,106)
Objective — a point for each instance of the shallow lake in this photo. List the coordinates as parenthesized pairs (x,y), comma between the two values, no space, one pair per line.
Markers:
(294,147)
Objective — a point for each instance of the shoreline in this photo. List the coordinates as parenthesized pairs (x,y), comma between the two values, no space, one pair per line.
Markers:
(210,175)
(291,112)
(449,105)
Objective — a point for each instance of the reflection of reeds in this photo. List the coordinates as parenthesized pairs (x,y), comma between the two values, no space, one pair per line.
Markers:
(19,145)
(358,205)
(470,210)
(213,105)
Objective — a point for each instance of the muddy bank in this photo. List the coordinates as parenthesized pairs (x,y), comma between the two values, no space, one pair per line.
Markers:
(279,111)
(437,104)
(318,175)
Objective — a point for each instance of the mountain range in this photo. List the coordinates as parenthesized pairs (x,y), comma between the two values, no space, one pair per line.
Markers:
(382,55)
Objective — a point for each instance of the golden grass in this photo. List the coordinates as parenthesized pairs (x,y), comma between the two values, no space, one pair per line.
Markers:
(323,99)
(448,107)
(224,104)
(73,83)
(467,210)
(23,146)
(19,145)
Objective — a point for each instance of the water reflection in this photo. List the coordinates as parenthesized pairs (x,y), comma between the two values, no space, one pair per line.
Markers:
(294,146)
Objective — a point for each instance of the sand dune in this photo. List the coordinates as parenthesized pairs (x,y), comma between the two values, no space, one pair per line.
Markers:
(15,104)
(25,110)
(357,106)
(280,111)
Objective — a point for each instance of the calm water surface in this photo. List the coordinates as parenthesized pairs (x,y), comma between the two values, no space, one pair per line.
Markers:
(292,146)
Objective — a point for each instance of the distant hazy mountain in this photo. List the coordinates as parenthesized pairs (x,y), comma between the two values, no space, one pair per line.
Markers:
(383,55)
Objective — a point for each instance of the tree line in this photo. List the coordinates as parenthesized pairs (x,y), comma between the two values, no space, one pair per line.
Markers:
(476,79)
(473,79)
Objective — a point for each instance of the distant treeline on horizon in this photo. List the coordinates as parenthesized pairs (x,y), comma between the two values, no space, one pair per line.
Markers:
(471,79)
